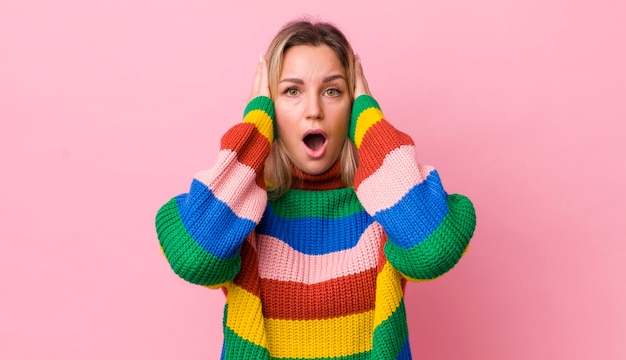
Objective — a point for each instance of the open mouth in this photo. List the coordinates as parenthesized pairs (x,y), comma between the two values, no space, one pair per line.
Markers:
(314,141)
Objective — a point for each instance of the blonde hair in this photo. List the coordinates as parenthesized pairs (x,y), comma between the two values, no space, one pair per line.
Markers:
(278,165)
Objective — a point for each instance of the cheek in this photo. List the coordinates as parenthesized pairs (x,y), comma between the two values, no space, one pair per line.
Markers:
(286,128)
(288,116)
(282,119)
(342,121)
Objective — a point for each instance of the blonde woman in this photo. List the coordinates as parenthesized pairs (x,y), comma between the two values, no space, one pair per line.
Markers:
(315,214)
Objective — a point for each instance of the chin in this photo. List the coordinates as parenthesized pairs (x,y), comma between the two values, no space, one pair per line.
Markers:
(315,168)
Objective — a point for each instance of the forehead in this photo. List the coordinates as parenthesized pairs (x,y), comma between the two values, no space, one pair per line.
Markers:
(305,61)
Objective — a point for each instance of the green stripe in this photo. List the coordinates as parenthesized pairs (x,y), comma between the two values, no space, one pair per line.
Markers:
(260,103)
(328,204)
(390,335)
(361,104)
(239,348)
(442,249)
(185,256)
(265,104)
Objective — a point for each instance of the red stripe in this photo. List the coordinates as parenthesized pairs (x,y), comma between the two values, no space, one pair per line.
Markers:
(297,301)
(382,258)
(329,180)
(378,141)
(251,147)
(248,276)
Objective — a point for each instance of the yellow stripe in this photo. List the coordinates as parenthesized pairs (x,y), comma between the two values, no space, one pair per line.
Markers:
(323,338)
(388,293)
(245,317)
(263,123)
(366,120)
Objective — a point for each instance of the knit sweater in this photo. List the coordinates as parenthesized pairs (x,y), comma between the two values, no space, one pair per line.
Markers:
(320,272)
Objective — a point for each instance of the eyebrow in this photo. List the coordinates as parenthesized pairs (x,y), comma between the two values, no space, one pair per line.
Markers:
(325,80)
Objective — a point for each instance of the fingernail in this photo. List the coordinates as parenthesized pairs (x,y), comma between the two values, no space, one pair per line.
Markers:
(260,57)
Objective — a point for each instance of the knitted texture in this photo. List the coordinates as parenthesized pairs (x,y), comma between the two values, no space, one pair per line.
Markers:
(320,272)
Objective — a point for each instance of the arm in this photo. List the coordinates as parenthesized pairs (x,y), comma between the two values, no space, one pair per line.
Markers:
(428,230)
(201,232)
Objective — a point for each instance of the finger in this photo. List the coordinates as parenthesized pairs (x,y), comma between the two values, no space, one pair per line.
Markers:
(257,78)
(360,83)
(256,83)
(357,76)
(264,78)
(358,66)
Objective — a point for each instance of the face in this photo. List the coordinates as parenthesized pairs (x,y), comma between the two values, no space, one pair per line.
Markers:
(312,107)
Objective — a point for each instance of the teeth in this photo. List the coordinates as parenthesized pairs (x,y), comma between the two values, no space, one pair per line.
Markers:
(314,141)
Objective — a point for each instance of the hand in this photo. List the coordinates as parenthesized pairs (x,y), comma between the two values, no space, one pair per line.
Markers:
(260,86)
(360,83)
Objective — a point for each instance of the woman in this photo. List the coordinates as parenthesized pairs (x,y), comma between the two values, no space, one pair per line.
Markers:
(311,249)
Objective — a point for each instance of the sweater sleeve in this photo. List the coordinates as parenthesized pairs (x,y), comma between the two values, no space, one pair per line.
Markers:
(201,232)
(428,230)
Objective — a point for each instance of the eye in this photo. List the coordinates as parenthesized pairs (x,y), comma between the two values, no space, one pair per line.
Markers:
(292,91)
(333,92)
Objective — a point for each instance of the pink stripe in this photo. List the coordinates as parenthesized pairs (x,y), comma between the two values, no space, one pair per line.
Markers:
(279,261)
(397,175)
(234,183)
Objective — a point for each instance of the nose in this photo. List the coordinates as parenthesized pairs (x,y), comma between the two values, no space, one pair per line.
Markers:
(314,110)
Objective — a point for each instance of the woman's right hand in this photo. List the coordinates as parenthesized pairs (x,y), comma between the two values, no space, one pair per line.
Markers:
(260,86)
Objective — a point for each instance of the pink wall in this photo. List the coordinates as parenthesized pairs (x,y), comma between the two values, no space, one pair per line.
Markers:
(108,108)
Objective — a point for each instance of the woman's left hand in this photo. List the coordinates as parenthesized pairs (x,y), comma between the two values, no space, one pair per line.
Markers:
(260,85)
(360,83)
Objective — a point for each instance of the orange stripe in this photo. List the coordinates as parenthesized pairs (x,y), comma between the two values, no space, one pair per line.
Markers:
(290,300)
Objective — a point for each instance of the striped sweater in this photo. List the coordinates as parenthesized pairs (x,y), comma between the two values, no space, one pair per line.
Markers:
(320,272)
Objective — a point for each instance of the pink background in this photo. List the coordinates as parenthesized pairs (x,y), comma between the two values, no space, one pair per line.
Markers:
(108,108)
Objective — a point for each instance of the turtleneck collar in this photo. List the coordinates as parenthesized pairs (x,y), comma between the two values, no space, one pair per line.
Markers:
(329,180)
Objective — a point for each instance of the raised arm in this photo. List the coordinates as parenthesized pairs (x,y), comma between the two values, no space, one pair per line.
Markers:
(428,230)
(201,232)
